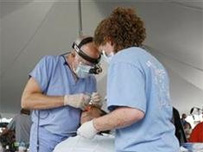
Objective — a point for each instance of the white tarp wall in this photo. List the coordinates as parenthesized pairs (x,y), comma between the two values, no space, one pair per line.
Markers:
(30,30)
(34,28)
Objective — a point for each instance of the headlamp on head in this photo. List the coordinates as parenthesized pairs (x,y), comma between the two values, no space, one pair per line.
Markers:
(96,69)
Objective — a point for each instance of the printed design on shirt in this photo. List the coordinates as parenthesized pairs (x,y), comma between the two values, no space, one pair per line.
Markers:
(161,82)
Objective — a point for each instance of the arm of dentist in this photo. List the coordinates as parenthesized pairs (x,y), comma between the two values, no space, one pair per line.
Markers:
(33,98)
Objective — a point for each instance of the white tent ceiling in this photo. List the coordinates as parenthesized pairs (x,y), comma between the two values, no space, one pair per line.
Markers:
(196,4)
(34,28)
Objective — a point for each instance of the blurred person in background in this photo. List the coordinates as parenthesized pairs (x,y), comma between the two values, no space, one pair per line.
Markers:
(21,125)
(186,126)
(197,133)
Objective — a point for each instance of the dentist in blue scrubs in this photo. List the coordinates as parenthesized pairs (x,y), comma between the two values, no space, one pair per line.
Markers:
(58,89)
(137,89)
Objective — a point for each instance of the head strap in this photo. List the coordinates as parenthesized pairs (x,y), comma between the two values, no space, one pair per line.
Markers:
(77,47)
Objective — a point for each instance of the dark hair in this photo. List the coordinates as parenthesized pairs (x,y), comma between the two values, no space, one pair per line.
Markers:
(25,111)
(123,28)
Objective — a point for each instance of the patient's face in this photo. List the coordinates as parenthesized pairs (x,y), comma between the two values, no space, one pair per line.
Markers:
(92,113)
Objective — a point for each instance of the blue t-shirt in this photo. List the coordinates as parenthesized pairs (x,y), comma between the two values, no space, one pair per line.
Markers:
(55,78)
(136,79)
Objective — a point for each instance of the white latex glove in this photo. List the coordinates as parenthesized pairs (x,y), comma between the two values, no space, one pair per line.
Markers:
(77,100)
(87,130)
(96,99)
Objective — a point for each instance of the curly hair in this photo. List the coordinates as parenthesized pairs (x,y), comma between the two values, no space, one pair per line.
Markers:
(123,28)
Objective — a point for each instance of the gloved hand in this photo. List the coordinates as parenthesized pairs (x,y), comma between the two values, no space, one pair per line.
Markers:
(77,100)
(96,99)
(87,130)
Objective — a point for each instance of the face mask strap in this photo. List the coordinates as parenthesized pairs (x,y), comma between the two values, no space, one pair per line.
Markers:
(106,57)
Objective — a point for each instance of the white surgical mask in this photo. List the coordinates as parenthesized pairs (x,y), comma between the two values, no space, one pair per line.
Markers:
(82,71)
(106,57)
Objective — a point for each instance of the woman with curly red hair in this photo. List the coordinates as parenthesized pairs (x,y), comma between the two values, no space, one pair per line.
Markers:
(137,89)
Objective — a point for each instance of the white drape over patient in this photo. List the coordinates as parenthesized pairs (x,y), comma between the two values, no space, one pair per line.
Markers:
(80,144)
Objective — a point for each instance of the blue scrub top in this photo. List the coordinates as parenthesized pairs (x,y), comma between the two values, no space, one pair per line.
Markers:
(136,79)
(56,79)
